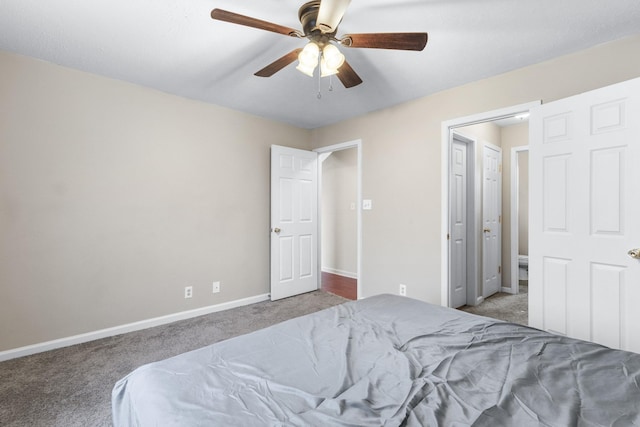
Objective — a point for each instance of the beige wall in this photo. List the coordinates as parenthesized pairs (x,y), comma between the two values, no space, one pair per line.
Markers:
(482,132)
(339,214)
(512,136)
(114,197)
(401,159)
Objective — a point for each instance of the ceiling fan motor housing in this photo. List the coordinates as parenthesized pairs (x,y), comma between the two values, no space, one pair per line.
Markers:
(308,15)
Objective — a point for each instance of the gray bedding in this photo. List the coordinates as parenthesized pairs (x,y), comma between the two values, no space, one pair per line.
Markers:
(386,361)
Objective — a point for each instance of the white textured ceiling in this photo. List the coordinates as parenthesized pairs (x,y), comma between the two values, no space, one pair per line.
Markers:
(174,46)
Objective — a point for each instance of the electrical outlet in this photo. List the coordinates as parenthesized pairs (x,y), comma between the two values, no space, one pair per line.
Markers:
(403,290)
(188,291)
(216,287)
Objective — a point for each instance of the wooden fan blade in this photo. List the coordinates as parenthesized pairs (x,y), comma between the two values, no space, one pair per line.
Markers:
(400,41)
(235,18)
(347,76)
(279,64)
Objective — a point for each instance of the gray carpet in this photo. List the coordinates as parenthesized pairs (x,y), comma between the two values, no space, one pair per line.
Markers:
(72,386)
(503,306)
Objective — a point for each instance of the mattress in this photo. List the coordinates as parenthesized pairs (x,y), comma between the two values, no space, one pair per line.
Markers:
(386,361)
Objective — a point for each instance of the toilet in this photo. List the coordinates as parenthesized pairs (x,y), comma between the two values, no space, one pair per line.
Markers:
(523,267)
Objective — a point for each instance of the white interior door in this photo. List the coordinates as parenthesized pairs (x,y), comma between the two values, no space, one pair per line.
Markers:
(491,220)
(585,216)
(458,224)
(294,221)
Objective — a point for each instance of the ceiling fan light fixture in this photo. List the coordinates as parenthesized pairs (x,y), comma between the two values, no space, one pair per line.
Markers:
(330,14)
(333,57)
(306,70)
(308,59)
(326,71)
(309,55)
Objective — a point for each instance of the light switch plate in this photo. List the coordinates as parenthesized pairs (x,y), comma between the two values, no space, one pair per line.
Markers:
(367,205)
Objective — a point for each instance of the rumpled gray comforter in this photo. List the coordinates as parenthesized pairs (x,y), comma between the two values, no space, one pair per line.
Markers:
(387,361)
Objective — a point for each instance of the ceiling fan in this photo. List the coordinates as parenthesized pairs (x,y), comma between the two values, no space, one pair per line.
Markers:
(320,20)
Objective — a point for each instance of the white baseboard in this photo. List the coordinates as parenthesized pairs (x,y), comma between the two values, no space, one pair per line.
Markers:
(507,290)
(130,327)
(339,272)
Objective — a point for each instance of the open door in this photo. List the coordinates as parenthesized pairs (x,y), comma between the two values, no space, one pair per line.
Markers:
(584,277)
(460,221)
(294,221)
(491,220)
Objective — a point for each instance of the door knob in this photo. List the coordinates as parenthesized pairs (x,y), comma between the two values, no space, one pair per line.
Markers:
(276,230)
(634,253)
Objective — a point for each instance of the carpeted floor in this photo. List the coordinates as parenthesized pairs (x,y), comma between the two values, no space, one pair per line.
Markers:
(72,386)
(503,306)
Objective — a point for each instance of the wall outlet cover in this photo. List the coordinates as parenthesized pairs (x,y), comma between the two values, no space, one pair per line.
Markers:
(403,290)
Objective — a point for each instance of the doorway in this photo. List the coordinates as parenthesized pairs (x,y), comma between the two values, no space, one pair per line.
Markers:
(475,209)
(340,213)
(474,257)
(519,211)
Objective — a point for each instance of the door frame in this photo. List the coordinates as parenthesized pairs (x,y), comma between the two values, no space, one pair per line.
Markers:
(447,128)
(357,144)
(515,219)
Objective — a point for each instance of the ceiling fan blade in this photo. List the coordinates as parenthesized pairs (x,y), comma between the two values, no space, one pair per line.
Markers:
(347,76)
(279,64)
(400,41)
(235,18)
(330,14)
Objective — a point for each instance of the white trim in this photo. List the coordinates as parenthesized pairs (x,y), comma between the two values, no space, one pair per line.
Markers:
(342,273)
(515,229)
(493,147)
(130,327)
(337,147)
(446,129)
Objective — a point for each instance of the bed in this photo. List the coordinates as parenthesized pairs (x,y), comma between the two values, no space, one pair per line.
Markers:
(386,361)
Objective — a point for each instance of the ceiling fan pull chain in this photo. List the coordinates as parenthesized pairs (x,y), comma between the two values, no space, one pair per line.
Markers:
(331,83)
